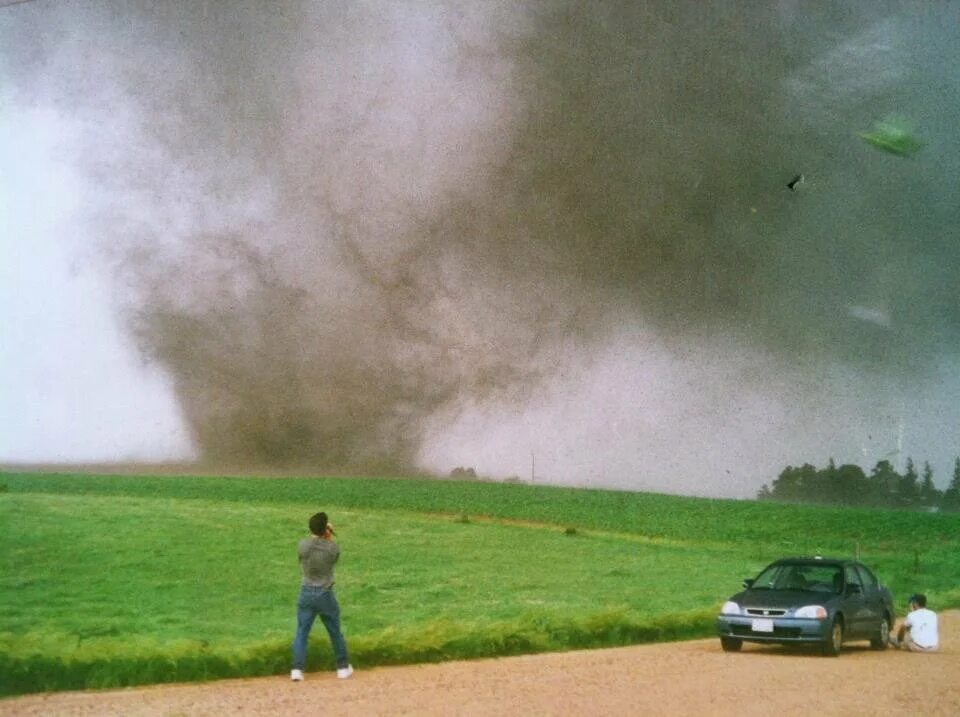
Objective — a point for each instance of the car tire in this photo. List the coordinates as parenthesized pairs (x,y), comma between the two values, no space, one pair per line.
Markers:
(882,638)
(831,647)
(731,644)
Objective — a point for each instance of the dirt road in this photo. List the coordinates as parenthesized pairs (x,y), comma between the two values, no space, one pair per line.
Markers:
(688,678)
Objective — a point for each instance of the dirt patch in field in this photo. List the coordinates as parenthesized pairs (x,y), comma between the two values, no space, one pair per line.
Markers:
(685,678)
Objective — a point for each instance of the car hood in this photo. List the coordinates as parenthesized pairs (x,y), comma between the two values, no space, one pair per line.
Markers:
(781,598)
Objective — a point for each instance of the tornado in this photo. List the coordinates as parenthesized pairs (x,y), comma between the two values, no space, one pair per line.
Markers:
(331,223)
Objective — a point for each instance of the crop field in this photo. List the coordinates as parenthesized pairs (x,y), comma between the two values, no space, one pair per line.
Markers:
(120,580)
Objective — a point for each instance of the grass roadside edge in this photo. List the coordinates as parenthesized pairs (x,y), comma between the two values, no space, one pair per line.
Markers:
(25,669)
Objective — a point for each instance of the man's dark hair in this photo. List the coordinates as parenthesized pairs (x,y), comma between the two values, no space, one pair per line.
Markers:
(920,599)
(318,523)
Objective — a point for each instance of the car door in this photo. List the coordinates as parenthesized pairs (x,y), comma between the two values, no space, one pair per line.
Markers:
(872,597)
(859,619)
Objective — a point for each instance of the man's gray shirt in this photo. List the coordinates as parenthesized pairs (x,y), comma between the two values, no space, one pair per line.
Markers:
(317,558)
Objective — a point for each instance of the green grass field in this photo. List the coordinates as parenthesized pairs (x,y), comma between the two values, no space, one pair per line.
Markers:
(111,580)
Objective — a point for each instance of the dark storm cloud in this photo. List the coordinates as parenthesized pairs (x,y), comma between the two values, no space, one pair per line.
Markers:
(335,220)
(652,163)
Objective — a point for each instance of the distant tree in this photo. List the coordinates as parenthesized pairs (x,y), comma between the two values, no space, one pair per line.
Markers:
(951,497)
(929,495)
(882,484)
(851,486)
(786,486)
(826,488)
(795,485)
(908,489)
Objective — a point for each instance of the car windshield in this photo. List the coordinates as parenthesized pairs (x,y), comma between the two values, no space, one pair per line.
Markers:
(800,576)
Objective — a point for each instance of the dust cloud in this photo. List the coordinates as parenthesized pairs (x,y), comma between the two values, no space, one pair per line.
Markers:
(367,237)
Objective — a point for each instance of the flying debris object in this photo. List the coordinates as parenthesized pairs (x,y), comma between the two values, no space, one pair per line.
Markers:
(871,315)
(893,136)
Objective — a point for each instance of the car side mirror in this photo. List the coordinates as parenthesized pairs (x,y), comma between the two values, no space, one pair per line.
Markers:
(748,583)
(853,588)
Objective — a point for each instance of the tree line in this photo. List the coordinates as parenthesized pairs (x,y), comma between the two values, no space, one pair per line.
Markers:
(847,484)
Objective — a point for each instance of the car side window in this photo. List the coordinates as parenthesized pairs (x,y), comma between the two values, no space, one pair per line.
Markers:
(851,576)
(869,581)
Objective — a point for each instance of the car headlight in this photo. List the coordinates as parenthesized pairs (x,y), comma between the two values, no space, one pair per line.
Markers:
(815,611)
(730,608)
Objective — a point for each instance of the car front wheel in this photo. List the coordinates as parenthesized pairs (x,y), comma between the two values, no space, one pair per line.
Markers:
(731,644)
(882,636)
(832,646)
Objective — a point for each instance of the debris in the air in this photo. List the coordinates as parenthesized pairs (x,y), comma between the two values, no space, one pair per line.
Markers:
(894,136)
(870,314)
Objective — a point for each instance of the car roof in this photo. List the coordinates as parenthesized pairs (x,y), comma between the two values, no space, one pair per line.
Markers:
(814,560)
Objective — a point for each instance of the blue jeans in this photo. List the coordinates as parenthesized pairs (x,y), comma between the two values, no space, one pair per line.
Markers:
(314,601)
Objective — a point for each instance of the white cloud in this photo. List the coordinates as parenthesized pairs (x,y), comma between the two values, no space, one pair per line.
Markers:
(72,387)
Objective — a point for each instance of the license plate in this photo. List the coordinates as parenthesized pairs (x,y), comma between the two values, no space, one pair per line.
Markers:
(762,626)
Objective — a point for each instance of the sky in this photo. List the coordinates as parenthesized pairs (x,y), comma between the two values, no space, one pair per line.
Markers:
(538,242)
(74,388)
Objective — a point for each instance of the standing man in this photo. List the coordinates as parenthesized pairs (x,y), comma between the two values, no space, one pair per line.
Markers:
(918,632)
(318,554)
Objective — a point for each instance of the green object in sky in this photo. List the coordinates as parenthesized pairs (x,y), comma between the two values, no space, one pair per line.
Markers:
(894,136)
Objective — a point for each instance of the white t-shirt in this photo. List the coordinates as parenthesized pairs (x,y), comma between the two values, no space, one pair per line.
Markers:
(923,627)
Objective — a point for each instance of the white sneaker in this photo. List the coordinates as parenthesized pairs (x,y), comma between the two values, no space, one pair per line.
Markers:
(296,675)
(344,672)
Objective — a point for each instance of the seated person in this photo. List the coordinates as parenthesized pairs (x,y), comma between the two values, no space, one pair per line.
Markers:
(919,631)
